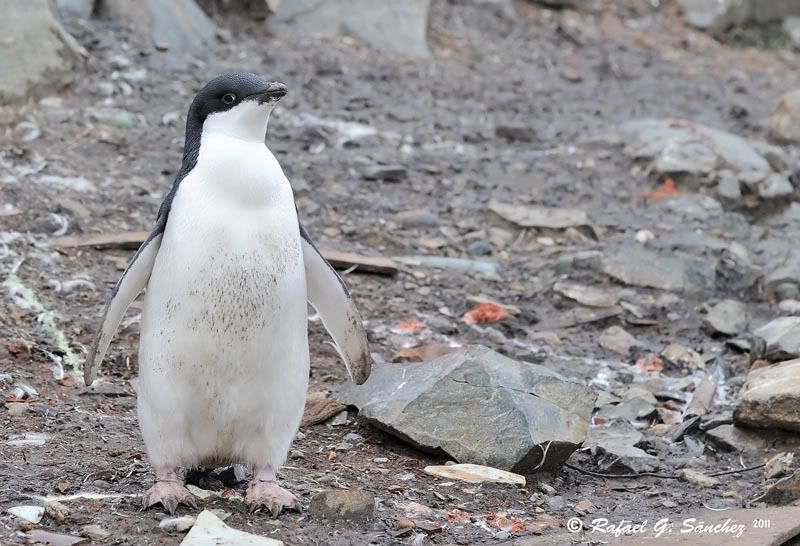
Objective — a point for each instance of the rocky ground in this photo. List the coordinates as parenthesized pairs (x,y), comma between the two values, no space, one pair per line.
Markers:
(619,187)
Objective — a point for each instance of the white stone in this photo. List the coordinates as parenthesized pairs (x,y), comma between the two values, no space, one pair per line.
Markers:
(32,514)
(475,473)
(209,530)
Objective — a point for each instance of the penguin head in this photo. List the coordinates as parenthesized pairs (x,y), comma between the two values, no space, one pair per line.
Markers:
(236,104)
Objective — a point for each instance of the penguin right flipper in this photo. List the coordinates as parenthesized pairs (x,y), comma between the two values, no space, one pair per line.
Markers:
(328,294)
(132,282)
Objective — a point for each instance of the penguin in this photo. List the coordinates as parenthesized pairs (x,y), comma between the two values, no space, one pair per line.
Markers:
(228,270)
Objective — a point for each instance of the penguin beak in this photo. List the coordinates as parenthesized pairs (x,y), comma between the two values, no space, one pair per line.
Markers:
(273,92)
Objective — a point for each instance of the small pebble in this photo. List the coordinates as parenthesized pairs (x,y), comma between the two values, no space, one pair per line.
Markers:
(178,525)
(353,437)
(56,510)
(548,490)
(644,236)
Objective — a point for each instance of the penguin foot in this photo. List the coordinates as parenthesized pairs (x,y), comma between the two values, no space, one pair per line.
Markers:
(271,496)
(169,493)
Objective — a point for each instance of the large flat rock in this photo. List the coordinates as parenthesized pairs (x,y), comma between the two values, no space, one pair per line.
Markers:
(771,397)
(36,53)
(398,28)
(178,25)
(479,407)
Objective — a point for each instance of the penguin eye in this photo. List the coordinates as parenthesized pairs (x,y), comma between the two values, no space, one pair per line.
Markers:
(228,98)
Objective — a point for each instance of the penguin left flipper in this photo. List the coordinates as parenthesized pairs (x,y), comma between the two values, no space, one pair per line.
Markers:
(328,294)
(132,282)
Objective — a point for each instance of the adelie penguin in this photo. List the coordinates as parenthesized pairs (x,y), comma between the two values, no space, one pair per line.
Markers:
(223,355)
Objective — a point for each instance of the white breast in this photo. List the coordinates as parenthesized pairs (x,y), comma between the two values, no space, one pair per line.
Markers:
(224,350)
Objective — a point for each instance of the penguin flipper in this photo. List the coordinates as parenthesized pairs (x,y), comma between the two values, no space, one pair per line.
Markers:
(328,294)
(132,282)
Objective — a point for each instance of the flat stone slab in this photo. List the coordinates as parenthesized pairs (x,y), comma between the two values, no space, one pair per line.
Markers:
(480,407)
(637,266)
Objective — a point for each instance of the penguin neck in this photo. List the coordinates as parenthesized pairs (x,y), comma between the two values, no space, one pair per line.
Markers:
(191,145)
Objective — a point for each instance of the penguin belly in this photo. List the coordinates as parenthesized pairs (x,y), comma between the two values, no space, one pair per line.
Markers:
(223,359)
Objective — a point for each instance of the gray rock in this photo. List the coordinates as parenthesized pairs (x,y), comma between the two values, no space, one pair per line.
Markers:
(114,117)
(641,393)
(617,340)
(784,267)
(555,503)
(791,26)
(786,291)
(683,357)
(353,504)
(547,489)
(693,205)
(538,216)
(629,410)
(516,132)
(728,187)
(776,186)
(479,248)
(637,266)
(775,155)
(728,317)
(590,296)
(76,8)
(732,438)
(36,53)
(530,404)
(762,11)
(684,146)
(686,156)
(783,125)
(735,273)
(790,306)
(398,28)
(771,397)
(782,336)
(715,16)
(178,25)
(353,437)
(615,446)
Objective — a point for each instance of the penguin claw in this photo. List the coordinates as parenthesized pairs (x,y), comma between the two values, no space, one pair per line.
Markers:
(169,494)
(271,496)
